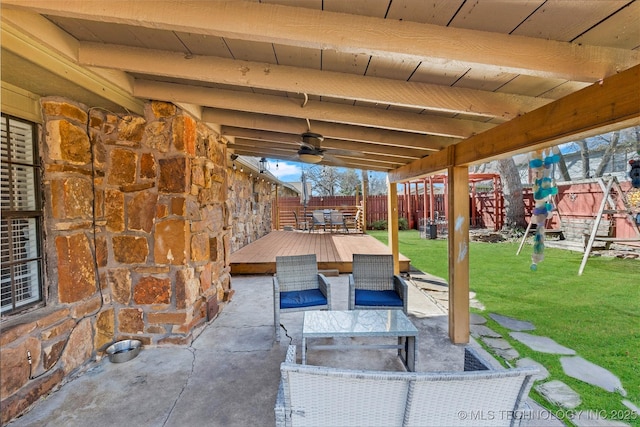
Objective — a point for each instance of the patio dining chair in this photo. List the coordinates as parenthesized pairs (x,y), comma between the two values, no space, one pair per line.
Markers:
(318,220)
(337,220)
(297,286)
(300,224)
(372,284)
(353,222)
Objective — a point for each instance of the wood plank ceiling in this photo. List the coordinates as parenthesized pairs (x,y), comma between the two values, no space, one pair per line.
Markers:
(385,82)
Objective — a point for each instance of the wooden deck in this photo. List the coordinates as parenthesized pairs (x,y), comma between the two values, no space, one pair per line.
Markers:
(334,251)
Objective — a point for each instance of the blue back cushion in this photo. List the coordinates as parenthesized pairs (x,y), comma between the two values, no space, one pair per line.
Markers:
(307,298)
(378,298)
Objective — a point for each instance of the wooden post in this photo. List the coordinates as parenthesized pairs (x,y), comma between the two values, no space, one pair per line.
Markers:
(474,197)
(409,205)
(276,212)
(392,223)
(447,178)
(425,206)
(497,222)
(458,219)
(432,200)
(365,199)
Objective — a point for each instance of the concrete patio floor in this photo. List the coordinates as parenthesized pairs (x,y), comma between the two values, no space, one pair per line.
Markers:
(229,375)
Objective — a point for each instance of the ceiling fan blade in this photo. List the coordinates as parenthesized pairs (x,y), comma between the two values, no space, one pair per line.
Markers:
(338,152)
(335,160)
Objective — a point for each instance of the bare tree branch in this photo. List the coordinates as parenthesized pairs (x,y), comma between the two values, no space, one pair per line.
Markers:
(608,154)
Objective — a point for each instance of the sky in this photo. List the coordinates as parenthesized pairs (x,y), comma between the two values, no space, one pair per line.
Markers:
(291,171)
(286,171)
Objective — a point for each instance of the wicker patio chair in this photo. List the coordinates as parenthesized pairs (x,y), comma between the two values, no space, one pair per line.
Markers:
(297,286)
(372,285)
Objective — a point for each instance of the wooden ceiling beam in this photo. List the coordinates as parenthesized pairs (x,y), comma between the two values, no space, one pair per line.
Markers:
(46,46)
(602,107)
(265,147)
(399,40)
(432,97)
(335,131)
(293,140)
(260,135)
(338,162)
(313,110)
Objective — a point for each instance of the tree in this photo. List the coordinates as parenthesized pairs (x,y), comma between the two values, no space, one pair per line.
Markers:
(349,182)
(608,153)
(584,157)
(377,184)
(323,179)
(564,170)
(512,191)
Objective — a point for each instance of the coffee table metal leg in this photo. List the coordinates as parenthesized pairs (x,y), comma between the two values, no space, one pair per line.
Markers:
(410,346)
(304,351)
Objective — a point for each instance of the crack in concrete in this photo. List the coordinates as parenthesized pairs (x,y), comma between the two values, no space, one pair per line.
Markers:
(184,387)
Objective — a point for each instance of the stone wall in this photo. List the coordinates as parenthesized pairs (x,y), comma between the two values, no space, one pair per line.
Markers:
(138,227)
(250,206)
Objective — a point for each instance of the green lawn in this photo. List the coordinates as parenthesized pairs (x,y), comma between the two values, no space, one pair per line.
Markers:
(596,314)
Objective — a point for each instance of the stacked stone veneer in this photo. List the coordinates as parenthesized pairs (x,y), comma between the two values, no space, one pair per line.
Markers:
(137,240)
(250,207)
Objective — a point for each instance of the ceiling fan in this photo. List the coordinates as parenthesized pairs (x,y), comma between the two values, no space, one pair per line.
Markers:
(310,150)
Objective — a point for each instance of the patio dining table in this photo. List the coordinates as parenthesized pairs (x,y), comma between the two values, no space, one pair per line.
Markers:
(327,217)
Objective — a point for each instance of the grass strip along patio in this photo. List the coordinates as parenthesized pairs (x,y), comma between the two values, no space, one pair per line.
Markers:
(596,314)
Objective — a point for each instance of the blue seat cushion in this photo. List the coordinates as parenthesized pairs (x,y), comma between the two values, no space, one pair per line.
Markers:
(378,298)
(296,299)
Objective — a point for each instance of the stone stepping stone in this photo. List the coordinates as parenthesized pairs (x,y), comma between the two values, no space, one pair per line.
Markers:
(560,394)
(511,323)
(582,369)
(484,331)
(476,319)
(524,362)
(541,344)
(594,419)
(474,303)
(502,348)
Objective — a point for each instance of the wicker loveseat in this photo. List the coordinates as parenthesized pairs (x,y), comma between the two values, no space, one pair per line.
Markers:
(323,396)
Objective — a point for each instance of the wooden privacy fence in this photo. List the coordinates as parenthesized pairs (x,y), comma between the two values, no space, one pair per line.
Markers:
(483,208)
(290,207)
(577,204)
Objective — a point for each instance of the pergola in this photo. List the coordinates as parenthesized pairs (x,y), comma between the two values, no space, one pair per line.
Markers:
(441,179)
(407,87)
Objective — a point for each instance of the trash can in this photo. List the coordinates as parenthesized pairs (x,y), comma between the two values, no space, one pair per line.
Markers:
(433,231)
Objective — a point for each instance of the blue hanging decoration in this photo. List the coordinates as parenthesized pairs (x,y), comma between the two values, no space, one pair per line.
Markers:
(544,188)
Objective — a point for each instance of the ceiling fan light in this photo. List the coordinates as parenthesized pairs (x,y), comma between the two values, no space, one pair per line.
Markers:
(310,157)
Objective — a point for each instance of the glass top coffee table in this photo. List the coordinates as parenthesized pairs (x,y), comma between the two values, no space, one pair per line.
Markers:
(362,323)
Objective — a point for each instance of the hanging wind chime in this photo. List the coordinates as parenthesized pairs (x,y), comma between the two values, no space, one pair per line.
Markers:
(544,188)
